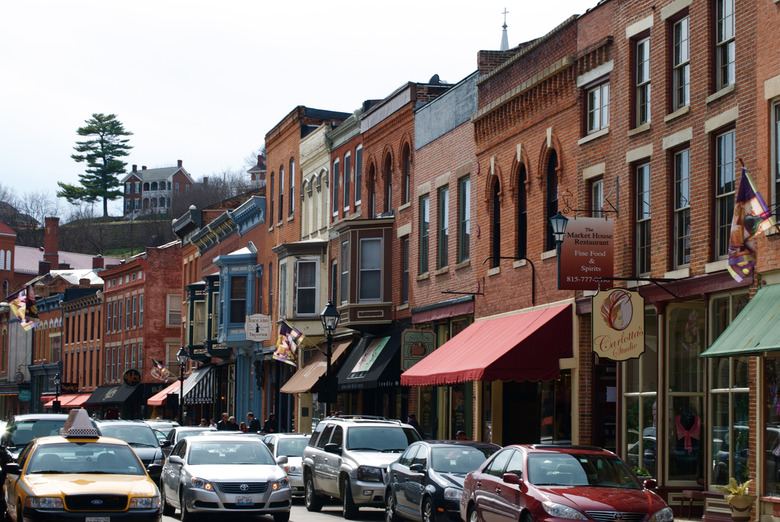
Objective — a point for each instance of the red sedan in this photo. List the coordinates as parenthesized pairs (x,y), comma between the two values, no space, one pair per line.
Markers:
(535,483)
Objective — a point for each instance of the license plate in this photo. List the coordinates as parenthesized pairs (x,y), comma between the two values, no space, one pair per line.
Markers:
(98,519)
(245,501)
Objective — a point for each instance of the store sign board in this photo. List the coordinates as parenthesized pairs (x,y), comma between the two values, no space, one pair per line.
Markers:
(587,253)
(618,324)
(258,327)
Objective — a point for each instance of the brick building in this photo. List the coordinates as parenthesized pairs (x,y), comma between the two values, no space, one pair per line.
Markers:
(151,191)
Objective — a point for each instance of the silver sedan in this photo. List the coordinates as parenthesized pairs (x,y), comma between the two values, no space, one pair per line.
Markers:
(230,474)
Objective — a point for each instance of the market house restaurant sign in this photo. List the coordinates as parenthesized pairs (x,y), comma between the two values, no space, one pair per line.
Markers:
(587,253)
(618,324)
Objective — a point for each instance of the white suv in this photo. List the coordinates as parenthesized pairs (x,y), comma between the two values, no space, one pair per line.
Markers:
(347,459)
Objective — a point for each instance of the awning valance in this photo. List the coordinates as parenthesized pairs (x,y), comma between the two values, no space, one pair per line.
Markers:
(374,363)
(520,347)
(756,329)
(199,386)
(68,400)
(161,397)
(111,394)
(305,378)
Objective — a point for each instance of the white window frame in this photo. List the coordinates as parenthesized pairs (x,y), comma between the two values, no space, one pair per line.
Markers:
(681,66)
(644,244)
(347,168)
(358,173)
(282,288)
(314,288)
(334,197)
(344,263)
(363,291)
(642,81)
(598,107)
(725,190)
(172,310)
(682,208)
(724,43)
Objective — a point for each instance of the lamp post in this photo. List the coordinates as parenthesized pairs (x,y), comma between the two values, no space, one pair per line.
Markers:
(330,319)
(558,223)
(56,403)
(182,357)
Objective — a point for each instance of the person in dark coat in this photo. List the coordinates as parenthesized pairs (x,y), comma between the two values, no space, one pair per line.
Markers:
(253,423)
(224,422)
(269,426)
(412,421)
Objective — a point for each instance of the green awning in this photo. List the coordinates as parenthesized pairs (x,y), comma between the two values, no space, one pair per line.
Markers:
(755,330)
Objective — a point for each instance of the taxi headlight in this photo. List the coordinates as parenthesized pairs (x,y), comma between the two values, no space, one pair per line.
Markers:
(144,503)
(43,503)
(200,483)
(280,484)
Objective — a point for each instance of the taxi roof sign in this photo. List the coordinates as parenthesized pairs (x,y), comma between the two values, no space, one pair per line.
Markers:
(79,425)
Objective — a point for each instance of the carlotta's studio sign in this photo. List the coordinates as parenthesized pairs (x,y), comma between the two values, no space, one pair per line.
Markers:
(618,319)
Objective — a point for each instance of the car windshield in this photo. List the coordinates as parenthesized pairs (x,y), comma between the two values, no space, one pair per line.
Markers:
(138,436)
(25,431)
(460,459)
(291,447)
(564,469)
(91,458)
(229,453)
(388,439)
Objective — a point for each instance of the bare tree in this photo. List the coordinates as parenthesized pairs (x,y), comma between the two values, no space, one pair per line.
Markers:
(210,190)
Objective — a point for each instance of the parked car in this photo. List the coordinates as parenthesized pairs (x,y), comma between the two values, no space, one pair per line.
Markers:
(179,432)
(225,475)
(80,475)
(347,458)
(140,437)
(162,426)
(290,445)
(426,482)
(21,429)
(543,482)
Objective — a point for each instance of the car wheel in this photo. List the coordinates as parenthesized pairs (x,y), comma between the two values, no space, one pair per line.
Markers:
(186,515)
(19,512)
(348,508)
(167,509)
(391,515)
(427,510)
(473,515)
(526,517)
(310,497)
(282,517)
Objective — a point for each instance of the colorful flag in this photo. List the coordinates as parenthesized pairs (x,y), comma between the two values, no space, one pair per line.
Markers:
(23,307)
(159,371)
(751,217)
(287,343)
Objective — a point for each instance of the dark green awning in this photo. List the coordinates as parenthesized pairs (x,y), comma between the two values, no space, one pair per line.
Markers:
(755,330)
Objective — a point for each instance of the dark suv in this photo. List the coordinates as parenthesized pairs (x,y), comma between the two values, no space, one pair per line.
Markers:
(347,459)
(140,436)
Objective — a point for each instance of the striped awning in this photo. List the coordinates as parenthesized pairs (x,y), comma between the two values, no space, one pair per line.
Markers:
(199,386)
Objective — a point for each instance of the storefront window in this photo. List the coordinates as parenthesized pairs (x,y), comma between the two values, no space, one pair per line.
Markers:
(640,385)
(772,432)
(728,398)
(556,410)
(685,437)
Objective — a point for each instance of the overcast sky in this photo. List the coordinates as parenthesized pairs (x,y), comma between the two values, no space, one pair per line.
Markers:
(204,81)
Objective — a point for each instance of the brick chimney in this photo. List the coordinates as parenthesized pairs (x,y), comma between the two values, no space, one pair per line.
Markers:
(84,282)
(51,241)
(143,168)
(44,267)
(98,262)
(179,162)
(135,168)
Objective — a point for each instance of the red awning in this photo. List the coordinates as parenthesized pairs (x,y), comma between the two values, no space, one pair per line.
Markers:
(67,400)
(519,347)
(160,398)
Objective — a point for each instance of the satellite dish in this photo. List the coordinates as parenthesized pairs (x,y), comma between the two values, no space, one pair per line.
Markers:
(434,79)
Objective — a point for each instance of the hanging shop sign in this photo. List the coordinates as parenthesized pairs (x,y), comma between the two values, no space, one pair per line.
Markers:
(587,253)
(258,327)
(618,324)
(416,345)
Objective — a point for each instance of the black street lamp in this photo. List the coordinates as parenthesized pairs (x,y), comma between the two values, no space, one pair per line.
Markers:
(558,223)
(330,319)
(182,357)
(56,404)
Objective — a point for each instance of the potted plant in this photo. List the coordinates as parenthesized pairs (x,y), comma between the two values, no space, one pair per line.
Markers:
(738,498)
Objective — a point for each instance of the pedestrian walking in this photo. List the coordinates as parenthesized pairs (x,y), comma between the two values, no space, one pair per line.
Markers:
(269,426)
(253,422)
(412,421)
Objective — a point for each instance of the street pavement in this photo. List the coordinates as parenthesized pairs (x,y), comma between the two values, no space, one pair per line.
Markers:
(299,513)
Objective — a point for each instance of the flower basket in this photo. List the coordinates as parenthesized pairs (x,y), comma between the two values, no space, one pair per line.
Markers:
(738,499)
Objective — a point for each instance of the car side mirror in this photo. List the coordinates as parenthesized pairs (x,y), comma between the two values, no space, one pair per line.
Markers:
(282,460)
(416,468)
(165,443)
(175,459)
(12,468)
(154,469)
(650,484)
(332,447)
(511,478)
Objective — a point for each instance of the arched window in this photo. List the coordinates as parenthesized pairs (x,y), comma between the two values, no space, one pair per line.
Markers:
(146,186)
(552,198)
(406,175)
(388,183)
(8,260)
(281,192)
(154,185)
(271,200)
(2,260)
(372,191)
(495,225)
(522,214)
(292,186)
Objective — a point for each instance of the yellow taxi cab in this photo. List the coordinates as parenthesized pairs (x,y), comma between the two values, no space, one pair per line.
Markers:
(79,475)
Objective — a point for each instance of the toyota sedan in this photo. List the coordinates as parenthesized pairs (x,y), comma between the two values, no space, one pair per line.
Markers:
(225,474)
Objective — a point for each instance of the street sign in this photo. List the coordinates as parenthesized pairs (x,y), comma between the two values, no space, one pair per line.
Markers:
(258,327)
